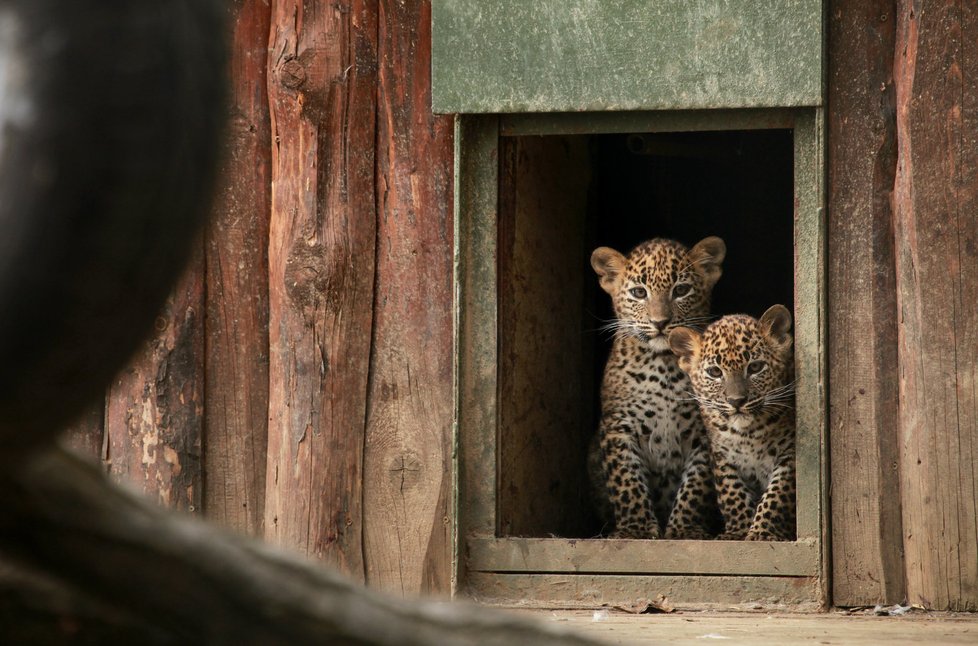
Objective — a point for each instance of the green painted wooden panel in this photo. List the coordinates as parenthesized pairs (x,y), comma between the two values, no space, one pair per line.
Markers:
(590,55)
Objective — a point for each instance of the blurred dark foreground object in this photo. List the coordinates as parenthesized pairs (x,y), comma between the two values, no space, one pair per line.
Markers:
(111,113)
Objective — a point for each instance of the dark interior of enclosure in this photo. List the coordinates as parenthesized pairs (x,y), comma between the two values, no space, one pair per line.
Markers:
(559,198)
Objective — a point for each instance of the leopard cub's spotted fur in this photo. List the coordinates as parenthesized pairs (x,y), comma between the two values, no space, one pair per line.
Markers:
(649,462)
(742,371)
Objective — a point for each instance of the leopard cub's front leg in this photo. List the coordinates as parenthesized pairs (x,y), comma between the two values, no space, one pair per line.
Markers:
(774,519)
(733,497)
(627,485)
(695,507)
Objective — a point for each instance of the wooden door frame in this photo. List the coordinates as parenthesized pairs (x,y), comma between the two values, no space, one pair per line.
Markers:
(549,571)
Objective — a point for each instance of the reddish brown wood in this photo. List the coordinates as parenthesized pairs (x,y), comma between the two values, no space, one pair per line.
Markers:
(321,84)
(937,291)
(236,414)
(407,477)
(154,412)
(866,532)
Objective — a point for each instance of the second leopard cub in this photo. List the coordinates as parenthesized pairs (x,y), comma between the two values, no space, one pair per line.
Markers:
(742,372)
(649,462)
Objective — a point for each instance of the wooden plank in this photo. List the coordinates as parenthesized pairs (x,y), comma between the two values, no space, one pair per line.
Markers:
(476,387)
(862,316)
(567,123)
(321,80)
(936,199)
(578,55)
(408,484)
(154,413)
(810,348)
(809,323)
(545,417)
(236,385)
(643,557)
(590,591)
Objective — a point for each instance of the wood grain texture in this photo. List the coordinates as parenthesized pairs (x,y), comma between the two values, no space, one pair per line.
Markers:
(154,414)
(592,591)
(866,531)
(616,556)
(322,75)
(936,74)
(408,462)
(236,385)
(546,395)
(476,313)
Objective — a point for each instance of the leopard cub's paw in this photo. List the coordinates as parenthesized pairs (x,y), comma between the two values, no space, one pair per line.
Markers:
(636,533)
(761,535)
(731,536)
(687,533)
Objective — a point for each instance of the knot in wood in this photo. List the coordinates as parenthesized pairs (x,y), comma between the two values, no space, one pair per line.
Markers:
(405,471)
(313,276)
(292,74)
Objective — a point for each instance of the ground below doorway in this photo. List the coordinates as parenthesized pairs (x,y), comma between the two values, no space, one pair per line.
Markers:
(696,628)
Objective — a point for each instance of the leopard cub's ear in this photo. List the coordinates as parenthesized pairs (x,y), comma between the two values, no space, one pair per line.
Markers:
(707,257)
(685,344)
(776,325)
(609,265)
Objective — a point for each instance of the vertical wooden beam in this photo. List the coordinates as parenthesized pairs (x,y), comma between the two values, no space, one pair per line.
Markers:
(476,388)
(407,477)
(936,201)
(321,84)
(155,406)
(236,386)
(866,532)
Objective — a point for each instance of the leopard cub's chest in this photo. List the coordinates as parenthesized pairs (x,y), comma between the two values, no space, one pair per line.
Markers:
(647,386)
(756,450)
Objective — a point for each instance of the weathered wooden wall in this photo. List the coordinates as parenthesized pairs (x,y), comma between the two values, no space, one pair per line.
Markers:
(903,180)
(300,387)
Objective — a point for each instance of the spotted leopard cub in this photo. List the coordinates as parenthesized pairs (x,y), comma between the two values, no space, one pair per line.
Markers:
(649,462)
(742,372)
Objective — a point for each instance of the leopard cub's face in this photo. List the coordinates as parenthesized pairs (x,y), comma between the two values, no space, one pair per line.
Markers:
(659,286)
(739,366)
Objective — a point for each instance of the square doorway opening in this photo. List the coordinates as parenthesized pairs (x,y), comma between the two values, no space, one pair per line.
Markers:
(559,197)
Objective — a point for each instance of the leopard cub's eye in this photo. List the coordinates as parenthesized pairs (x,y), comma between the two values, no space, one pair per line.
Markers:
(681,290)
(755,367)
(714,372)
(638,292)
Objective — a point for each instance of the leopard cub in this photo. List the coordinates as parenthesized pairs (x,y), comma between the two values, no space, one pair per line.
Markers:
(742,372)
(649,461)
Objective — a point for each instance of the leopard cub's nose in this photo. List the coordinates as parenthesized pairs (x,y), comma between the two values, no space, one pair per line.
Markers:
(736,402)
(660,324)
